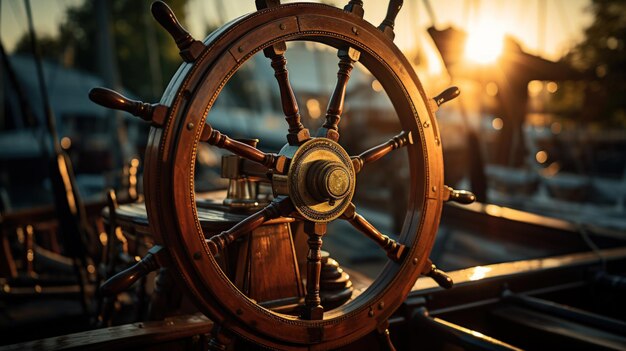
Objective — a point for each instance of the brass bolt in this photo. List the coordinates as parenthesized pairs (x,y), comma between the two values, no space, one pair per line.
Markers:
(371,312)
(381,305)
(282,26)
(240,49)
(426,124)
(434,188)
(355,30)
(190,126)
(415,260)
(197,255)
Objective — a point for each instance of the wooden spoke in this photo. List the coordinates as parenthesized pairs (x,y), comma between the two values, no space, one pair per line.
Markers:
(190,49)
(460,196)
(330,129)
(355,7)
(395,250)
(439,276)
(264,4)
(282,206)
(388,23)
(313,309)
(155,113)
(375,153)
(297,132)
(271,161)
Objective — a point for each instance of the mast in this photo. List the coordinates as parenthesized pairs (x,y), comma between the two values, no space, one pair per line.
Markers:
(43,90)
(109,72)
(68,204)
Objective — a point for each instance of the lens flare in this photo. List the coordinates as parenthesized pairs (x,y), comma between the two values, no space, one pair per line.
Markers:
(484,44)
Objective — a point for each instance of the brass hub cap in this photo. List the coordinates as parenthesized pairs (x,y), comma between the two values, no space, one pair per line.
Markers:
(321,180)
(328,180)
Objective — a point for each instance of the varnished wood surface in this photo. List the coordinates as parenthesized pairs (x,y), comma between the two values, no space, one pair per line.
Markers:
(136,336)
(273,277)
(212,220)
(169,178)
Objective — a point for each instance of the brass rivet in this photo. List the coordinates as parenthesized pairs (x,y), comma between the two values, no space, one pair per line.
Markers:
(426,124)
(415,260)
(240,49)
(371,313)
(282,26)
(437,141)
(197,255)
(434,188)
(381,305)
(190,126)
(355,30)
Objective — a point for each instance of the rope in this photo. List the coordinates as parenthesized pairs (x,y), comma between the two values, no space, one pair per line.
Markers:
(585,236)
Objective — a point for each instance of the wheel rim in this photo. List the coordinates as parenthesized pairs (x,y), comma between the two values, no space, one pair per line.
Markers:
(170,172)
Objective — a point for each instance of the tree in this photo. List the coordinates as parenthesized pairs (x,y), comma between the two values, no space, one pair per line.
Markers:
(76,44)
(603,51)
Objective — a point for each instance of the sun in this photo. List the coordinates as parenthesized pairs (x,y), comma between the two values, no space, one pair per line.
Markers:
(484,44)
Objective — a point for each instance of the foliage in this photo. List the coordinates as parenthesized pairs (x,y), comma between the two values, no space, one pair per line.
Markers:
(603,52)
(77,45)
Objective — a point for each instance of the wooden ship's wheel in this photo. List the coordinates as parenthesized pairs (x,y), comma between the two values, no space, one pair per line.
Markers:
(313,178)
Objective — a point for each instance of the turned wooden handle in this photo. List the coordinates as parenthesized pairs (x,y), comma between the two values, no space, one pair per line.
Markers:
(447,95)
(460,196)
(392,12)
(114,100)
(439,276)
(463,197)
(167,19)
(388,23)
(124,279)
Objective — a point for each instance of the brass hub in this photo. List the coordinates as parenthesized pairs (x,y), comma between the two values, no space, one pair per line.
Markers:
(328,180)
(320,181)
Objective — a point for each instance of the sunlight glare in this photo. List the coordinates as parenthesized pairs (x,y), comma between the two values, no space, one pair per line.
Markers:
(479,272)
(484,44)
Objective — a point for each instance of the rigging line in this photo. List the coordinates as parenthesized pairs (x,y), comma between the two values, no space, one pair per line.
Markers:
(15,16)
(565,22)
(154,59)
(542,9)
(29,119)
(3,117)
(205,18)
(596,250)
(42,82)
(431,13)
(221,12)
(415,29)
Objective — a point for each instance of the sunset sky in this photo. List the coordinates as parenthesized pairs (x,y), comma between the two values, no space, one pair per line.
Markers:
(564,23)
